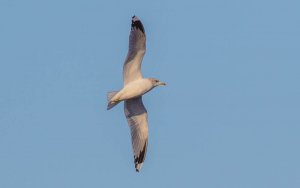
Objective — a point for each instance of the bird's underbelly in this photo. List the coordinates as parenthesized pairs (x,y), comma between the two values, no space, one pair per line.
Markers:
(131,93)
(133,90)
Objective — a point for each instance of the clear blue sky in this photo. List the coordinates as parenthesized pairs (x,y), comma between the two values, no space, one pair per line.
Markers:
(228,118)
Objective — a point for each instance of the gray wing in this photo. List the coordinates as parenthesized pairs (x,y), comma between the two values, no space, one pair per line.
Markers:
(136,115)
(137,49)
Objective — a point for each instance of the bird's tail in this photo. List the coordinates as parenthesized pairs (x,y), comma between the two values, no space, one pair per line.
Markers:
(110,95)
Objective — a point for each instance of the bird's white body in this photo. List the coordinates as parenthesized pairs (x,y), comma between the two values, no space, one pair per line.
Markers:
(133,89)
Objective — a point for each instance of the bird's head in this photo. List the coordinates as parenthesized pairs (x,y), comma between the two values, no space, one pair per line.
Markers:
(155,82)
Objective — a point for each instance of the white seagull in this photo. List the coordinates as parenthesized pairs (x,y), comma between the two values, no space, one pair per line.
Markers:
(134,87)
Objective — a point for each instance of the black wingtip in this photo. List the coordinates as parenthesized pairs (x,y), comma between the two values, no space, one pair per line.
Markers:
(141,157)
(139,160)
(137,24)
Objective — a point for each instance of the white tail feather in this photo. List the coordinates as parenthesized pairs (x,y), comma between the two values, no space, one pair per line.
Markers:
(110,95)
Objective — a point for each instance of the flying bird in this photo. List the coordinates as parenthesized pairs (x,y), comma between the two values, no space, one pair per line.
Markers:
(135,86)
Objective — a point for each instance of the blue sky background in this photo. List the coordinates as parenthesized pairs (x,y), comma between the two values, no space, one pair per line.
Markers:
(229,116)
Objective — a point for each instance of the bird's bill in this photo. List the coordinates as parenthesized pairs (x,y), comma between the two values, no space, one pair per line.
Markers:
(161,84)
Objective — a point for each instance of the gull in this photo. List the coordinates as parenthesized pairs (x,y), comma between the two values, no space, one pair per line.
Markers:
(135,86)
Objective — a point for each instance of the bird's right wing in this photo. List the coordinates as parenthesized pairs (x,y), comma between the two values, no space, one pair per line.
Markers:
(136,115)
(136,51)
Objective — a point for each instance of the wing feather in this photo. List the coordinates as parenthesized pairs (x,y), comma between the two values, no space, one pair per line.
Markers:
(136,51)
(136,115)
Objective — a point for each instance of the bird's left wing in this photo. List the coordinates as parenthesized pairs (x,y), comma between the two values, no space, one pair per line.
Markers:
(136,115)
(136,51)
